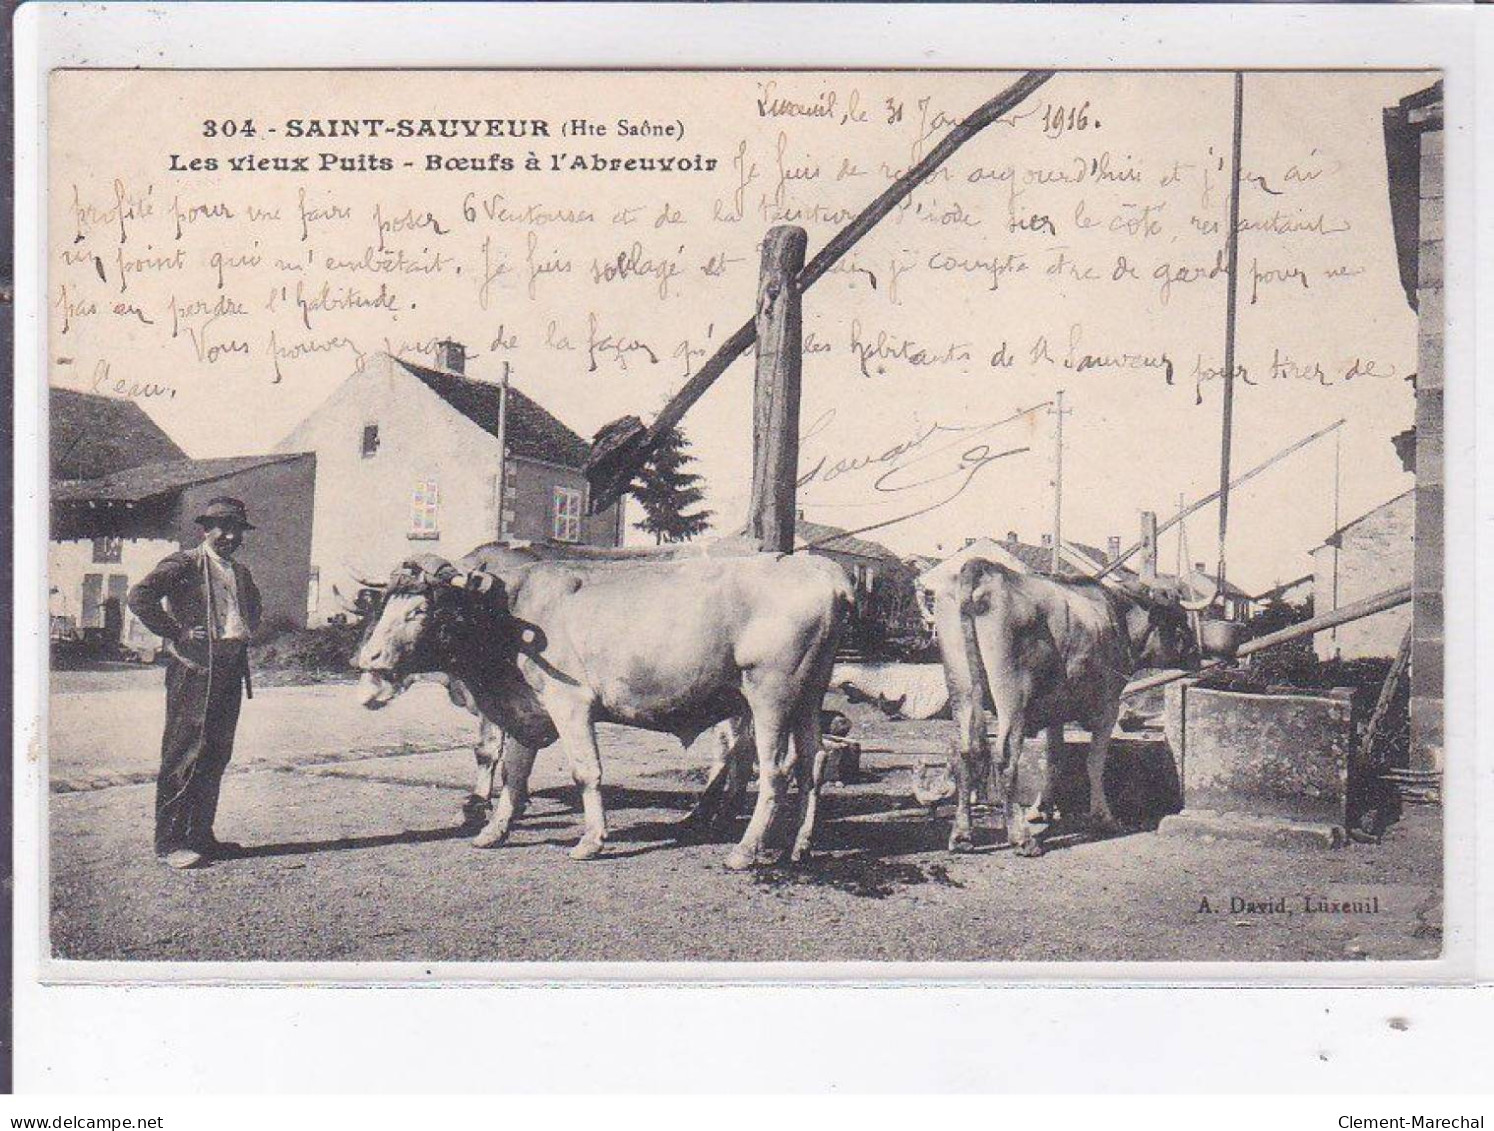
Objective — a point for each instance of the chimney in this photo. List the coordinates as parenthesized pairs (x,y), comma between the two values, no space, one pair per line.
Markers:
(1149,546)
(1011,538)
(1048,541)
(968,542)
(451,356)
(1112,548)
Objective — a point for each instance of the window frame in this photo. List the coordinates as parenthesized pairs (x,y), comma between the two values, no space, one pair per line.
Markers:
(367,450)
(425,509)
(563,500)
(113,550)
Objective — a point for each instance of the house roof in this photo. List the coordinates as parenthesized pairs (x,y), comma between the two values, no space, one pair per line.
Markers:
(532,430)
(150,480)
(1282,588)
(1196,584)
(93,436)
(1334,538)
(836,540)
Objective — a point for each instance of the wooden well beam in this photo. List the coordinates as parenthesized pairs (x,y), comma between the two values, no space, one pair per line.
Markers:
(620,448)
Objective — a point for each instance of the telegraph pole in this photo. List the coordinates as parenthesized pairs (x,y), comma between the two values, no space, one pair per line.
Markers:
(1059,412)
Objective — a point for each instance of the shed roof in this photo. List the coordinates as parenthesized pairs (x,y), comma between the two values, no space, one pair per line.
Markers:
(532,430)
(150,480)
(93,436)
(836,540)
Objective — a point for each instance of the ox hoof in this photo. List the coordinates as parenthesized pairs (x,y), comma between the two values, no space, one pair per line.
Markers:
(588,849)
(1028,847)
(475,810)
(800,854)
(740,859)
(1105,824)
(961,842)
(491,836)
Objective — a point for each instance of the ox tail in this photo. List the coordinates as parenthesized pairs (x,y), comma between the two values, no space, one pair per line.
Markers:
(970,605)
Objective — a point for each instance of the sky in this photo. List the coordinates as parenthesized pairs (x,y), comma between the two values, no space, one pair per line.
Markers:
(1076,245)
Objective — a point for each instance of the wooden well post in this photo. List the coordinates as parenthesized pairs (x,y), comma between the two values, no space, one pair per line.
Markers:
(775,412)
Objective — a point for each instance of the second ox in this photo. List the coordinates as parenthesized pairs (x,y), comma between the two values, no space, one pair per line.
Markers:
(547,650)
(1043,652)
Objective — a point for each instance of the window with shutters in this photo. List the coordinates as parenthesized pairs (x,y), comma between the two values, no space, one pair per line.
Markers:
(370,440)
(425,509)
(107,549)
(567,514)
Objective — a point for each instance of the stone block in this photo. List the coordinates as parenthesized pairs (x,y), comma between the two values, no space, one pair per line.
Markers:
(1282,757)
(1211,824)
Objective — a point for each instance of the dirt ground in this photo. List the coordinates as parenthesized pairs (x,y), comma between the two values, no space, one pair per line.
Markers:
(354,849)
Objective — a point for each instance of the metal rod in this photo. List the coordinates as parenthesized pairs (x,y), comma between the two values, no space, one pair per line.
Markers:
(1057,481)
(1231,289)
(1236,482)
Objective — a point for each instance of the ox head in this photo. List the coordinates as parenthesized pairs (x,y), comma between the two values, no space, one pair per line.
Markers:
(1160,631)
(433,618)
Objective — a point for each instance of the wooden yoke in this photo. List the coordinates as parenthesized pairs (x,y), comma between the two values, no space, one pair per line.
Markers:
(619,449)
(775,415)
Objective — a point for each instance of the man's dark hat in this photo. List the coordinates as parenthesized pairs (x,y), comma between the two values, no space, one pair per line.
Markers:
(225,511)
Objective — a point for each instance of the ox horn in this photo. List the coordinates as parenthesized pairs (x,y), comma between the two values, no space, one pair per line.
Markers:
(363,582)
(342,602)
(475,581)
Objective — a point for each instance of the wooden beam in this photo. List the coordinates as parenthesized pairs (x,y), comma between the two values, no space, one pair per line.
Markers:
(1389,599)
(620,448)
(775,413)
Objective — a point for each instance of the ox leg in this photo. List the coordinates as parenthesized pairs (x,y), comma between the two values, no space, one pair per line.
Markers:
(1100,729)
(518,761)
(810,759)
(717,801)
(580,738)
(970,755)
(489,754)
(1046,806)
(1009,734)
(772,741)
(738,772)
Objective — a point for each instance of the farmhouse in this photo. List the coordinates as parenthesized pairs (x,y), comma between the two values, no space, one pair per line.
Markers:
(409,462)
(124,496)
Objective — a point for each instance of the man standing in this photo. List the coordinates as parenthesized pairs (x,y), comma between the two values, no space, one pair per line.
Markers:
(204,605)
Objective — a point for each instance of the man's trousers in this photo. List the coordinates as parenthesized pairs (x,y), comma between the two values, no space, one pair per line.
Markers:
(202,713)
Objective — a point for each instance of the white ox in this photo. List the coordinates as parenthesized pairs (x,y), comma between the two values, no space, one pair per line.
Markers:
(1047,652)
(545,650)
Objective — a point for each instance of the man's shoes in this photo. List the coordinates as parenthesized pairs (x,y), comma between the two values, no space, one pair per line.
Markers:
(183,858)
(215,849)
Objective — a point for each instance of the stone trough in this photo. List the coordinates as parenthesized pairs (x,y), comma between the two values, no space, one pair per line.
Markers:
(1261,766)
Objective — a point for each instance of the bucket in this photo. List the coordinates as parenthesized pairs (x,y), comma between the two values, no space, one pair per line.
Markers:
(1220,639)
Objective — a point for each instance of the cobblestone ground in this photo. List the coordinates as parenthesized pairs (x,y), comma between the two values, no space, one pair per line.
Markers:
(355,850)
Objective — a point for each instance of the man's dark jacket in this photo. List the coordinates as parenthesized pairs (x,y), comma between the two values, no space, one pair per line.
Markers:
(181,582)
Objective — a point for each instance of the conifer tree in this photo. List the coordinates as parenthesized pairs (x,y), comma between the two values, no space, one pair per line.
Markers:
(667,491)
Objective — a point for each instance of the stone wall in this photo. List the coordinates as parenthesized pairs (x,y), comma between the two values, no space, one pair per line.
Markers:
(1427,644)
(1374,554)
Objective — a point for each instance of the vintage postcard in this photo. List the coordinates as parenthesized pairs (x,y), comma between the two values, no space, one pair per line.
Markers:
(833,516)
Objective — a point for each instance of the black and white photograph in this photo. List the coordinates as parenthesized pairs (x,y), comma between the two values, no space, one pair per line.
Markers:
(743,517)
